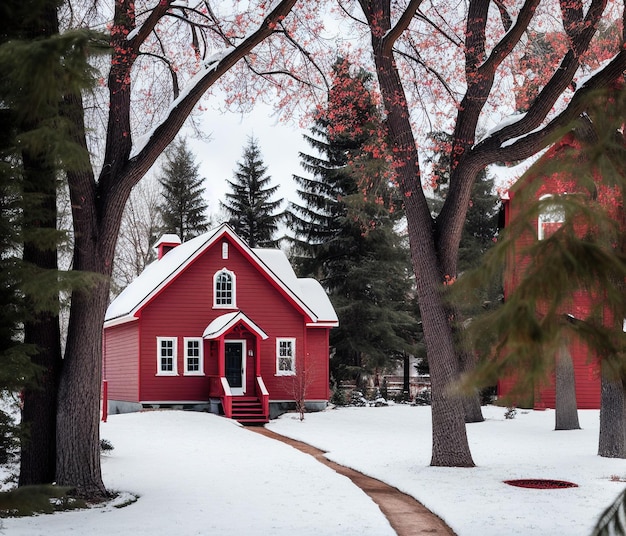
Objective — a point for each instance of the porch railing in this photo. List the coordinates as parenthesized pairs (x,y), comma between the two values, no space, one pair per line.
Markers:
(218,387)
(263,395)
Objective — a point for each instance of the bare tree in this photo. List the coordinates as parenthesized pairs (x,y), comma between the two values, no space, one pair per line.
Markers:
(98,199)
(480,45)
(140,225)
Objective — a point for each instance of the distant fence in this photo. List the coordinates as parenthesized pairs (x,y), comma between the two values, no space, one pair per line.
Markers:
(393,384)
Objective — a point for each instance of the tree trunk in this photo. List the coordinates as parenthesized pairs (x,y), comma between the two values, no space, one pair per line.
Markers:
(566,413)
(78,413)
(38,448)
(612,439)
(471,401)
(450,447)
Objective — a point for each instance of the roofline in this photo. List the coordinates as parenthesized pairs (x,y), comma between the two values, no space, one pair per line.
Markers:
(303,306)
(119,320)
(323,324)
(222,230)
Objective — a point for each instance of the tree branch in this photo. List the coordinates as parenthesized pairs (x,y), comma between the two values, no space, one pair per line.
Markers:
(503,49)
(403,23)
(150,23)
(426,67)
(165,132)
(532,142)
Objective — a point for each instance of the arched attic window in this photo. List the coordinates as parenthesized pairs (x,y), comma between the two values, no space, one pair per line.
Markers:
(224,290)
(551,216)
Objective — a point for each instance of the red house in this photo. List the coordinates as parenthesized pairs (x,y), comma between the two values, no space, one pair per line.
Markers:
(216,325)
(553,181)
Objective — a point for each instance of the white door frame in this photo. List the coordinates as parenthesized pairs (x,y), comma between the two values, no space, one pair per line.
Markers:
(239,391)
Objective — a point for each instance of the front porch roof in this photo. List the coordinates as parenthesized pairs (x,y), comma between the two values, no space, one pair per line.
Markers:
(225,322)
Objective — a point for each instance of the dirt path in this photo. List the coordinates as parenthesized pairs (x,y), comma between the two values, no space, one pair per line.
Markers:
(407,516)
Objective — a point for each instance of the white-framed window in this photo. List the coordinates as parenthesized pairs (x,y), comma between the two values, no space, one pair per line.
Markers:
(550,217)
(224,289)
(193,356)
(167,356)
(224,250)
(285,357)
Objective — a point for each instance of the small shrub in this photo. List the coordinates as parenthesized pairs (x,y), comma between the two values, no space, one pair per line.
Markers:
(106,446)
(41,499)
(383,389)
(338,397)
(357,399)
(379,402)
(402,398)
(423,398)
(488,395)
(510,413)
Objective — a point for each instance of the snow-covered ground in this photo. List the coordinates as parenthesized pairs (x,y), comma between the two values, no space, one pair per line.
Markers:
(199,474)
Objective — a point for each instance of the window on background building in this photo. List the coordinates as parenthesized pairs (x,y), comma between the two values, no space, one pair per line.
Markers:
(224,289)
(285,357)
(167,356)
(550,218)
(193,357)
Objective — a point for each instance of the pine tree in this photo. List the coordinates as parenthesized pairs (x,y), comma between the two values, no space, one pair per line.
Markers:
(16,368)
(345,232)
(35,145)
(183,208)
(252,213)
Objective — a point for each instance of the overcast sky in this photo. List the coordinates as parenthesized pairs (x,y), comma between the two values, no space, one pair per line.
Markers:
(218,157)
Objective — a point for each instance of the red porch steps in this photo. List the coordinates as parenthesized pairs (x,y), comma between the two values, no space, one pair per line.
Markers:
(248,410)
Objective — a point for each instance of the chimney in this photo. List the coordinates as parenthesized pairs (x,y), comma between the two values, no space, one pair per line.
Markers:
(166,243)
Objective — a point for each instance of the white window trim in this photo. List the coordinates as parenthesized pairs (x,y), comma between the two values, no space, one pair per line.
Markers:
(174,371)
(548,217)
(291,340)
(233,277)
(200,371)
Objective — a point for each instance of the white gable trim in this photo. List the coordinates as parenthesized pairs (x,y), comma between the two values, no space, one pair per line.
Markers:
(225,322)
(119,320)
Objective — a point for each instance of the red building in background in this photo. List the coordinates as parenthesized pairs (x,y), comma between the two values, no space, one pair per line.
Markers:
(552,172)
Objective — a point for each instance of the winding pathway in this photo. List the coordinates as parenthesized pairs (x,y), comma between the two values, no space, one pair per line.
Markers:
(407,516)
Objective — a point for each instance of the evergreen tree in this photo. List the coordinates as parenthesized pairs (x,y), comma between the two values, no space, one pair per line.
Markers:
(252,213)
(345,232)
(183,208)
(16,368)
(35,144)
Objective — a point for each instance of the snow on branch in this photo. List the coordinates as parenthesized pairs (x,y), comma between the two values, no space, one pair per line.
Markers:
(208,65)
(211,70)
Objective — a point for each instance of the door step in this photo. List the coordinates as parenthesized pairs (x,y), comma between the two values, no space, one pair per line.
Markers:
(248,411)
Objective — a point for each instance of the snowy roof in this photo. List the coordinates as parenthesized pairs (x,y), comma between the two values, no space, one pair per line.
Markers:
(223,323)
(305,293)
(168,239)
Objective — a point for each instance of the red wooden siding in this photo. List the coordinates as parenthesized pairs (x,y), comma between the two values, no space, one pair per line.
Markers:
(318,363)
(185,308)
(585,366)
(121,365)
